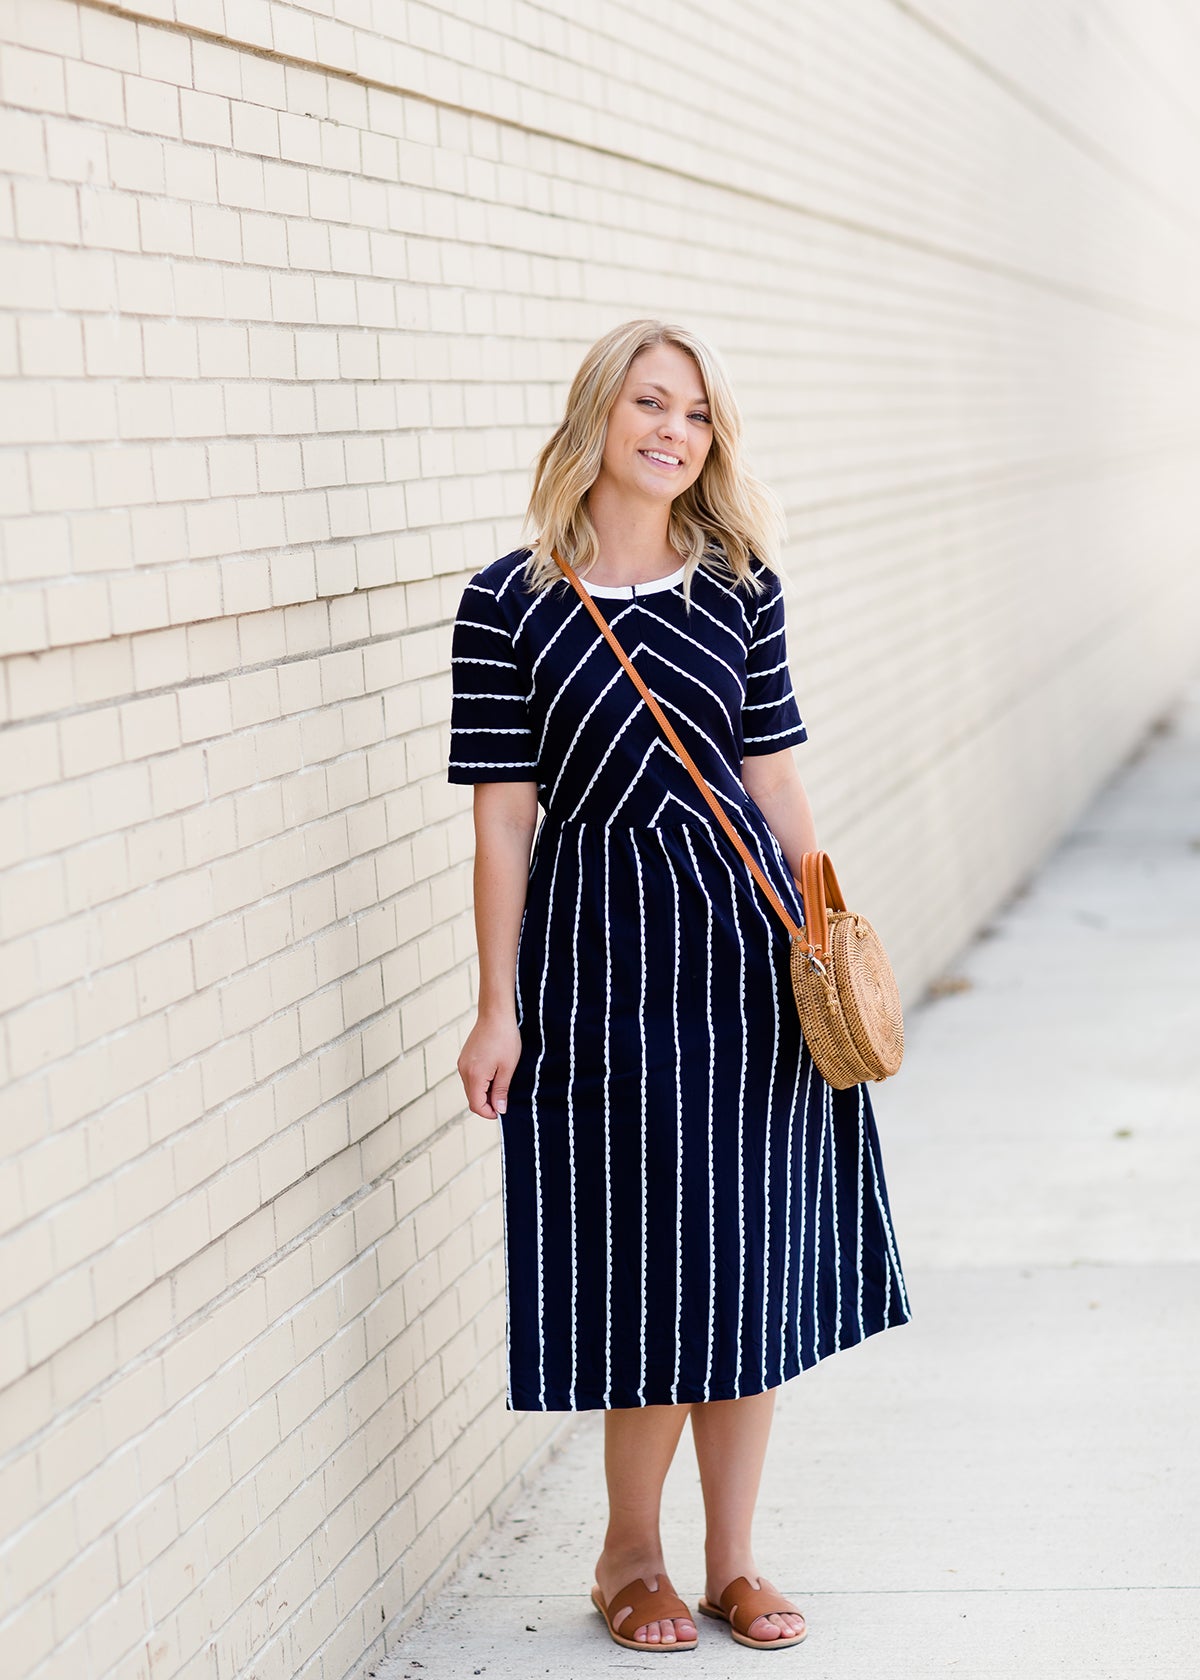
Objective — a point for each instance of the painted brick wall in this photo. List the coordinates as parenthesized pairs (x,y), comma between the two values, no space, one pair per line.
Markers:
(290,295)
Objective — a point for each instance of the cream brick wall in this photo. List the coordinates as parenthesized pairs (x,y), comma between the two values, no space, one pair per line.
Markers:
(290,296)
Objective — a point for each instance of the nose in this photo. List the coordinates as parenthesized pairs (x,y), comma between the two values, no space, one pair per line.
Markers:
(672,426)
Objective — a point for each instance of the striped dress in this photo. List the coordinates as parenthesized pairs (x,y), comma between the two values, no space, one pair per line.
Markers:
(690,1212)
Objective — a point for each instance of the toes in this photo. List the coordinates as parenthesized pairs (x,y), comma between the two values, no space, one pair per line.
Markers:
(789,1622)
(665,1633)
(669,1632)
(780,1624)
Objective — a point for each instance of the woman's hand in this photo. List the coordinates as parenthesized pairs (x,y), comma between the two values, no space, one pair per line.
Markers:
(487,1062)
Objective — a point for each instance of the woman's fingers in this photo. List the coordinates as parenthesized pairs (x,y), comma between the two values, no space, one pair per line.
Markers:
(476,1082)
(477,1100)
(486,1087)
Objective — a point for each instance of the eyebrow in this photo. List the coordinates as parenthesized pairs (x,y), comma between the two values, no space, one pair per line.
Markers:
(701,402)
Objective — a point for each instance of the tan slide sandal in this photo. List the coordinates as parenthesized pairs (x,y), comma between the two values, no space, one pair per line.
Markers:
(741,1605)
(660,1604)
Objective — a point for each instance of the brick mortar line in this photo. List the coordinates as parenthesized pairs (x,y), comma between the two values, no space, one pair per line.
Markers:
(912,288)
(878,153)
(1096,299)
(179,568)
(229,673)
(486,1523)
(1091,297)
(478,27)
(349,922)
(376,1018)
(316,547)
(1068,469)
(162,1145)
(523,1481)
(114,1035)
(591,26)
(263,1647)
(203,1185)
(1083,142)
(540,51)
(218,149)
(229,1104)
(241,848)
(444,1569)
(281,894)
(248,1476)
(184,1326)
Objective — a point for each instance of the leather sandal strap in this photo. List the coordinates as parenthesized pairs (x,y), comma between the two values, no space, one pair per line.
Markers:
(744,1604)
(662,1604)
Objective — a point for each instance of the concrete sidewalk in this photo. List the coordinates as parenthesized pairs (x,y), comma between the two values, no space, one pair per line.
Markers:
(1010,1485)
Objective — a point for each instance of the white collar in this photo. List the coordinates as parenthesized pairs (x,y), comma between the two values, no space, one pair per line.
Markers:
(634,591)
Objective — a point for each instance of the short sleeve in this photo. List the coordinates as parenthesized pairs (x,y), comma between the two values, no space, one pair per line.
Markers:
(491,739)
(770,716)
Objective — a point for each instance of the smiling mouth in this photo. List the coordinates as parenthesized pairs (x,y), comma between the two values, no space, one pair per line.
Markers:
(661,459)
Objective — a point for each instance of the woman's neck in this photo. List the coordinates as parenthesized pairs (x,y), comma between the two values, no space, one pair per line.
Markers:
(634,545)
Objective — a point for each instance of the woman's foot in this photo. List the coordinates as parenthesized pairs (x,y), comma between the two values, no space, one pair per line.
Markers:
(614,1573)
(766,1629)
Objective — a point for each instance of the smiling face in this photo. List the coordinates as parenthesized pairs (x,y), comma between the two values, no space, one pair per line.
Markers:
(659,428)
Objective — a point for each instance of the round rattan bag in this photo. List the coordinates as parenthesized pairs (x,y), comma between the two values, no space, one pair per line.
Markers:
(845,990)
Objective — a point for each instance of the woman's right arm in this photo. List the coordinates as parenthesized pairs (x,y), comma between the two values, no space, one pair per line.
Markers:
(505,820)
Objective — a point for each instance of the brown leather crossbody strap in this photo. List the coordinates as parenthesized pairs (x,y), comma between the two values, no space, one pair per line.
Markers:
(685,757)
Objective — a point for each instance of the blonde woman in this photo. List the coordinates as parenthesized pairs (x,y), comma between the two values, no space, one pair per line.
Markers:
(692,1216)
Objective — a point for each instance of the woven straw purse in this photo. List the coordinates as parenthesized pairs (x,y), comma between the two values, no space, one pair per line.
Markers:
(845,991)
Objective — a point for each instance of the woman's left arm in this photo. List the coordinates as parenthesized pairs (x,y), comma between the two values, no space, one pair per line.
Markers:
(773,782)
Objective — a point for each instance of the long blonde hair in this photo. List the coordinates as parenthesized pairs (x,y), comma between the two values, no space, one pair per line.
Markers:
(726,518)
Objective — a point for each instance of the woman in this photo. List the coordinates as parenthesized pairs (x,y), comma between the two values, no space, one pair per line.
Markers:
(692,1215)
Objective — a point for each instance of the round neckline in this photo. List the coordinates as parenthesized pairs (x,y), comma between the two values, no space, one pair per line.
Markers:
(634,591)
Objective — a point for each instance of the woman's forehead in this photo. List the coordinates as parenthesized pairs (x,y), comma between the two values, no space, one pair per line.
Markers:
(664,368)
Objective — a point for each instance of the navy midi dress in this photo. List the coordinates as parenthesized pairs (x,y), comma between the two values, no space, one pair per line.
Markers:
(690,1212)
